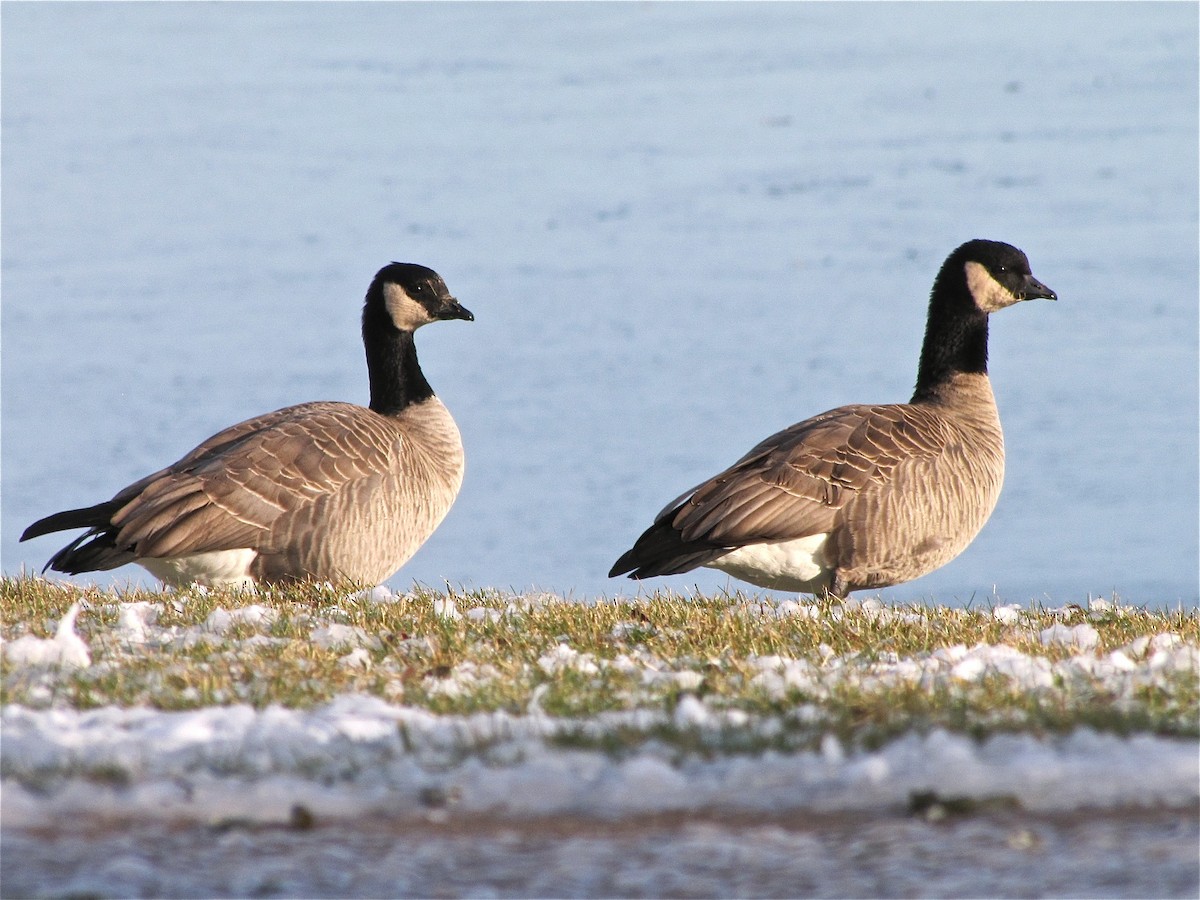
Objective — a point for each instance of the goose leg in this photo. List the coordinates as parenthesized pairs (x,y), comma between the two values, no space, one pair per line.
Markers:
(837,587)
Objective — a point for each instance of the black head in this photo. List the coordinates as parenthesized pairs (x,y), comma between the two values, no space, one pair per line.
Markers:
(977,279)
(410,296)
(994,274)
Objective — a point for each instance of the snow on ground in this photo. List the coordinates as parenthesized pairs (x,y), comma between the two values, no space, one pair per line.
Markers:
(364,797)
(360,754)
(66,649)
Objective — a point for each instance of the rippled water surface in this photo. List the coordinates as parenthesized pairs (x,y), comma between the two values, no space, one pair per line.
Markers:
(681,227)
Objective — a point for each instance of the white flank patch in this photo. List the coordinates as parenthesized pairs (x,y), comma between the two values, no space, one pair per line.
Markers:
(797,565)
(209,569)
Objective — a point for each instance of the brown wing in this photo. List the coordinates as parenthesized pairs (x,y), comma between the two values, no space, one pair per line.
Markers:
(233,489)
(802,481)
(797,482)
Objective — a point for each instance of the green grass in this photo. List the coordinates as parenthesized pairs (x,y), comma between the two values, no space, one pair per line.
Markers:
(624,654)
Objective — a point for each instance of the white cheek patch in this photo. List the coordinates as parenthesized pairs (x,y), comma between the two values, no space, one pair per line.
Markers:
(990,295)
(407,314)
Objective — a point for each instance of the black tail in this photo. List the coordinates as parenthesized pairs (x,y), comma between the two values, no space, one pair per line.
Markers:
(93,551)
(98,516)
(662,551)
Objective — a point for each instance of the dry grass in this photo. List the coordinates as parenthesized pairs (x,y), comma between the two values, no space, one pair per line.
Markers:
(497,651)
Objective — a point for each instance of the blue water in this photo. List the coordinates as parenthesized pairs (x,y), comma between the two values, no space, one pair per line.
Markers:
(681,227)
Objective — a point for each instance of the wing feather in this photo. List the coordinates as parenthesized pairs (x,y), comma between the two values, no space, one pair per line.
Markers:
(257,482)
(797,483)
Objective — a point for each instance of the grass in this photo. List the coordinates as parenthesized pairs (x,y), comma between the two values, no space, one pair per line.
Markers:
(861,671)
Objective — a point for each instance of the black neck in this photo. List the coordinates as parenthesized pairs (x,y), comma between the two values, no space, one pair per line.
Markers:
(955,341)
(395,375)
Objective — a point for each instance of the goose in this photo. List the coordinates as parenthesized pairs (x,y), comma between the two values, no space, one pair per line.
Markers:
(322,491)
(861,496)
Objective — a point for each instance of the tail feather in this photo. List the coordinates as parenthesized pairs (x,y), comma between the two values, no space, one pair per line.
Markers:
(661,550)
(98,516)
(92,551)
(95,550)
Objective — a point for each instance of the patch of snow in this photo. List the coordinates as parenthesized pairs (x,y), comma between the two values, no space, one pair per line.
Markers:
(65,650)
(464,678)
(358,658)
(222,621)
(1081,637)
(357,754)
(691,712)
(831,749)
(1119,671)
(563,656)
(338,635)
(235,761)
(687,680)
(874,609)
(484,614)
(380,594)
(623,631)
(1009,613)
(134,621)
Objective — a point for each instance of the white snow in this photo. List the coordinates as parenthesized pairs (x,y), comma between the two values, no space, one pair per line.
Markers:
(336,634)
(1082,637)
(234,760)
(221,620)
(358,755)
(381,593)
(484,614)
(134,621)
(358,658)
(66,649)
(563,656)
(1008,613)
